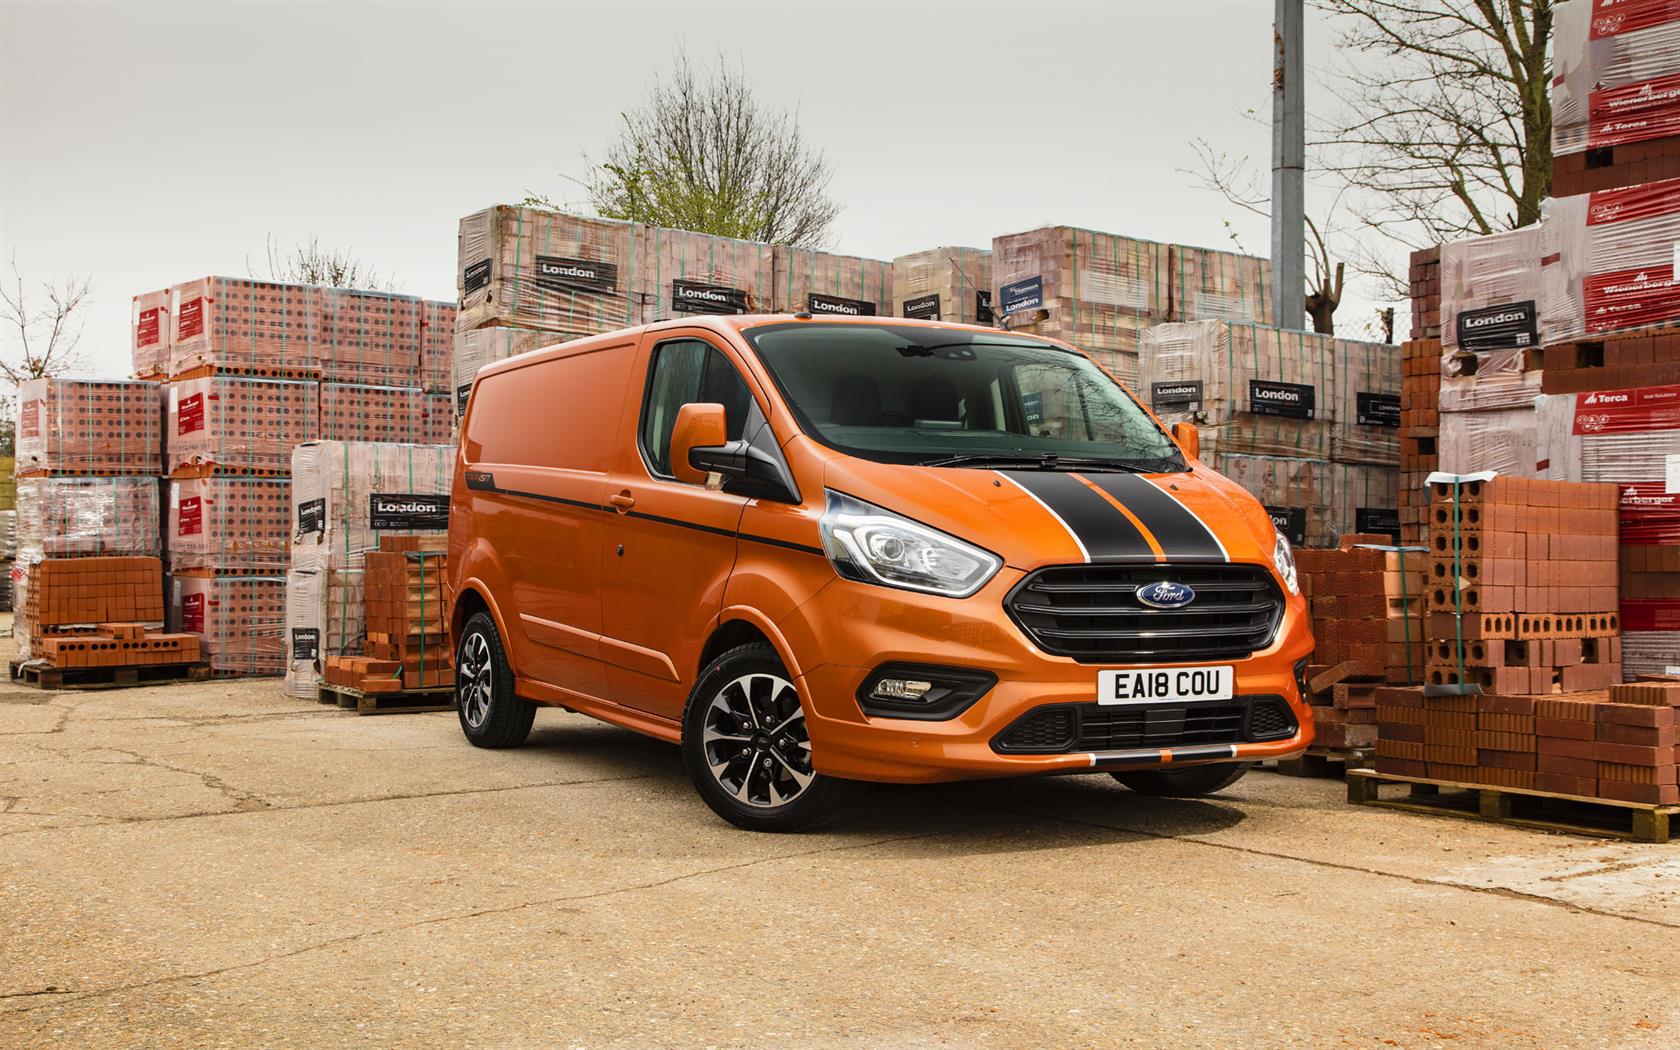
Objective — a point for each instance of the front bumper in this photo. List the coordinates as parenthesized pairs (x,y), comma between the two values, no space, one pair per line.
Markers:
(847,629)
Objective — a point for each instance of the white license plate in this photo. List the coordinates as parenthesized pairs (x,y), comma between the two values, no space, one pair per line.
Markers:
(1153,685)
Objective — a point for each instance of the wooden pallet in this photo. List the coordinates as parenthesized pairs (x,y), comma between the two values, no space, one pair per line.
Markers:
(386,703)
(1523,807)
(1326,761)
(38,674)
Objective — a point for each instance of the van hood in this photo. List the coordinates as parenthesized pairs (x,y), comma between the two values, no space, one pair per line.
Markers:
(1033,518)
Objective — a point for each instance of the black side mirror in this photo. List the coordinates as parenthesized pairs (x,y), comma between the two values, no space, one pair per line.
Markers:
(748,470)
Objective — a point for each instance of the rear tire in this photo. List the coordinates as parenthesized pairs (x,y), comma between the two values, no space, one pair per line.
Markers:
(491,715)
(1193,782)
(745,747)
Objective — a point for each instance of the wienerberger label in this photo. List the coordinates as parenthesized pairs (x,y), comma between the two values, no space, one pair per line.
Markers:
(1270,398)
(408,511)
(190,320)
(561,274)
(697,297)
(190,516)
(922,307)
(834,305)
(146,327)
(192,613)
(189,414)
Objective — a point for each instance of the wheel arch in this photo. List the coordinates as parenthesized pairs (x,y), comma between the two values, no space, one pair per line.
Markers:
(474,597)
(742,625)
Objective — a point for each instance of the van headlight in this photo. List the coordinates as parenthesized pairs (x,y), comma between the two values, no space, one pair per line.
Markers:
(1283,556)
(871,545)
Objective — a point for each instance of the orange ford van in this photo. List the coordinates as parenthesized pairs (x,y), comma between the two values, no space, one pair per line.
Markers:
(822,551)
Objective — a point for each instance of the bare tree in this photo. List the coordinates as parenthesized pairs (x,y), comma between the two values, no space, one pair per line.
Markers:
(310,263)
(704,153)
(42,337)
(1234,178)
(1447,118)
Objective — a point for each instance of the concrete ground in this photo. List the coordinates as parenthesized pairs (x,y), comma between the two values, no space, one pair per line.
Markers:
(218,865)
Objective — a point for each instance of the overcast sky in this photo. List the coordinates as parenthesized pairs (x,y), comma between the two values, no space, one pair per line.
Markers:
(145,144)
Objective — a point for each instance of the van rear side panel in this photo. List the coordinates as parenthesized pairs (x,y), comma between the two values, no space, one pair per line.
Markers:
(537,444)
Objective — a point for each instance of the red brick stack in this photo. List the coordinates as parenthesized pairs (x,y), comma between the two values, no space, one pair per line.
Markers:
(407,621)
(1615,95)
(1367,607)
(101,612)
(1425,283)
(1522,595)
(1420,428)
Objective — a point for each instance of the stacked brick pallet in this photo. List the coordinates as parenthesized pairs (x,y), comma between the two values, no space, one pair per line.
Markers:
(348,499)
(1420,419)
(529,278)
(407,622)
(1522,588)
(256,368)
(1614,744)
(100,613)
(1101,291)
(944,284)
(88,453)
(1615,95)
(1306,422)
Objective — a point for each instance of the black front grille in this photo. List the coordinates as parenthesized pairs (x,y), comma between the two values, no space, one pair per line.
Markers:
(1061,728)
(1092,612)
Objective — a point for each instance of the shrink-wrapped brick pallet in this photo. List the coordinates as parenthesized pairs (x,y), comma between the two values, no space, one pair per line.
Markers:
(1650,636)
(244,326)
(76,595)
(1294,491)
(1365,415)
(437,346)
(1251,390)
(482,346)
(531,268)
(80,517)
(1503,440)
(371,413)
(683,273)
(304,639)
(239,621)
(827,284)
(150,329)
(370,338)
(89,426)
(347,494)
(1615,94)
(1490,302)
(234,525)
(944,284)
(1204,284)
(239,425)
(1097,291)
(1523,592)
(1364,500)
(1609,261)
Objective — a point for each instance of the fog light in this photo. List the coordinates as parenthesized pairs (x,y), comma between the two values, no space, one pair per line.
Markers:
(900,689)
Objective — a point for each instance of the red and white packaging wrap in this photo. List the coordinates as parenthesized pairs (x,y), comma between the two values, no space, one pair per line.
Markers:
(240,425)
(242,325)
(370,337)
(1630,438)
(1650,637)
(69,425)
(230,525)
(239,621)
(1609,261)
(1615,73)
(149,346)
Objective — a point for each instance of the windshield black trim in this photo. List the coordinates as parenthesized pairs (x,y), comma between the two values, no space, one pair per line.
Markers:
(810,430)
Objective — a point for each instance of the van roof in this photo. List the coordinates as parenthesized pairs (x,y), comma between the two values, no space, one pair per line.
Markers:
(722,324)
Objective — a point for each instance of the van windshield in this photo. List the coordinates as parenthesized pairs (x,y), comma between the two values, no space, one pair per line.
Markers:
(944,397)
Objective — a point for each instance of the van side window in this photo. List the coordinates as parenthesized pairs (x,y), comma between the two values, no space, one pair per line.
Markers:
(687,371)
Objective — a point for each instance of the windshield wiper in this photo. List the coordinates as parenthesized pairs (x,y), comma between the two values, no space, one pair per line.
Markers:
(1047,461)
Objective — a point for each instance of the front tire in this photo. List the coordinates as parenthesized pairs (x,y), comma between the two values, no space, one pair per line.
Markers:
(1193,782)
(746,750)
(491,715)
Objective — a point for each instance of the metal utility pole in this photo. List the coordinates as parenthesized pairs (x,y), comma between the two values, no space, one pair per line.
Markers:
(1289,162)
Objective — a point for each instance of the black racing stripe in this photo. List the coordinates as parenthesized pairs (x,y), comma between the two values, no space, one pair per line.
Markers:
(712,529)
(1180,533)
(1104,531)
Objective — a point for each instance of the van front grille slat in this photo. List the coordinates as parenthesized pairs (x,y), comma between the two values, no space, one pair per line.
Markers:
(1063,728)
(1091,612)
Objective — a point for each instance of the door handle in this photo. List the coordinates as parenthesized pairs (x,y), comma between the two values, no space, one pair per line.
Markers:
(622,501)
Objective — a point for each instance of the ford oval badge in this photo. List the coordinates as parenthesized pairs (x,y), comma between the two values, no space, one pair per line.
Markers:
(1165,595)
